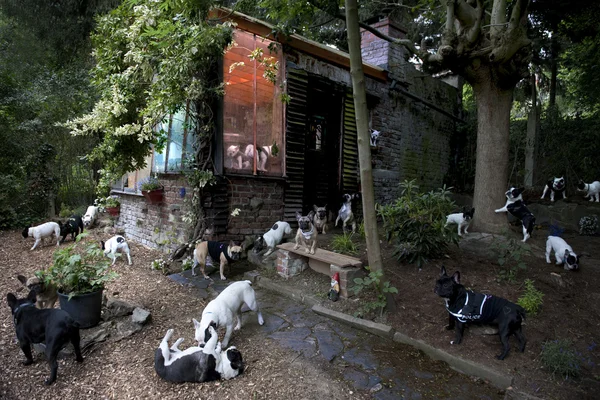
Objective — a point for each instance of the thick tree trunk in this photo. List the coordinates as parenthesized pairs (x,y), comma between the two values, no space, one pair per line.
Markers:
(491,176)
(364,150)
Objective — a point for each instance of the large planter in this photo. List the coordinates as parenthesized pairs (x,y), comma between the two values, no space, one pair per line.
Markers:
(84,308)
(113,211)
(154,196)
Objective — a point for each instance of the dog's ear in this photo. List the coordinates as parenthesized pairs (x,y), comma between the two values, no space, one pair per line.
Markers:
(196,323)
(298,215)
(102,244)
(311,215)
(456,277)
(32,296)
(443,271)
(232,243)
(22,279)
(315,207)
(11,300)
(213,324)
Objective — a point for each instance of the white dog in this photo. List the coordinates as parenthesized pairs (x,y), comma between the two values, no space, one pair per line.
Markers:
(272,238)
(197,364)
(264,152)
(592,190)
(462,219)
(42,231)
(345,214)
(114,245)
(563,253)
(238,159)
(90,216)
(226,309)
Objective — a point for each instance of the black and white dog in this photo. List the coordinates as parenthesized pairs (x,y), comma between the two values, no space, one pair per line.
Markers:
(114,245)
(345,214)
(272,238)
(467,306)
(74,226)
(462,219)
(563,253)
(556,186)
(374,138)
(197,364)
(41,232)
(592,190)
(515,206)
(51,326)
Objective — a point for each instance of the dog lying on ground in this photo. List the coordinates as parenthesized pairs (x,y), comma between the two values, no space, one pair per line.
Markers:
(515,206)
(42,231)
(74,226)
(197,364)
(320,219)
(462,219)
(307,233)
(114,245)
(345,214)
(556,186)
(563,253)
(272,238)
(226,309)
(46,294)
(90,216)
(53,327)
(217,251)
(465,305)
(592,190)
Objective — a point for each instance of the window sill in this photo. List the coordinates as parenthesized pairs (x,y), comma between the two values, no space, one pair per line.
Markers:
(126,192)
(260,177)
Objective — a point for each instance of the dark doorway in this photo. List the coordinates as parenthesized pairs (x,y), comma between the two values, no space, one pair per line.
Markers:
(323,132)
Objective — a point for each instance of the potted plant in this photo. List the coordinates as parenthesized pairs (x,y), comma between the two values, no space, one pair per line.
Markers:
(112,205)
(80,272)
(151,189)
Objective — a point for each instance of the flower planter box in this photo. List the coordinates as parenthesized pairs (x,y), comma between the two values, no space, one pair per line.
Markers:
(154,196)
(113,211)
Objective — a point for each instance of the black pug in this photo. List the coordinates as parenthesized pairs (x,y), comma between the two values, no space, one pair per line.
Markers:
(51,326)
(465,305)
(74,226)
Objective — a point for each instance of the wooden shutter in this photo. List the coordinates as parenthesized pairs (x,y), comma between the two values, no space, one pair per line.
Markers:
(295,141)
(349,148)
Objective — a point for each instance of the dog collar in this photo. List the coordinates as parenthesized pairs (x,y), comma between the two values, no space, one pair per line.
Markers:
(307,235)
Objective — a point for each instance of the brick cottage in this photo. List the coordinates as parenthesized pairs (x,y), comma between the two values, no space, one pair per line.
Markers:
(307,145)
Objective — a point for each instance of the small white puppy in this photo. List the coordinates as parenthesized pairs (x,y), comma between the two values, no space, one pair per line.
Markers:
(563,253)
(226,309)
(114,245)
(592,190)
(272,238)
(462,219)
(90,216)
(42,231)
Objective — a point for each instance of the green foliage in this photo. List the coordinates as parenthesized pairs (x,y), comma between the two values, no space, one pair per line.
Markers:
(149,183)
(373,282)
(76,270)
(109,201)
(510,257)
(344,244)
(532,299)
(416,223)
(160,265)
(361,230)
(152,58)
(186,264)
(560,358)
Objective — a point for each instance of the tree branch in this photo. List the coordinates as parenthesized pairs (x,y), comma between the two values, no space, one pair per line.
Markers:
(497,20)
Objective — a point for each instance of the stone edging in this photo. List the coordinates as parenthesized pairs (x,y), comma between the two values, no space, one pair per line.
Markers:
(497,379)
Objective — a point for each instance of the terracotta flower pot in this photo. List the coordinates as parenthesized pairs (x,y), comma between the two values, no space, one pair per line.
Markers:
(154,196)
(113,211)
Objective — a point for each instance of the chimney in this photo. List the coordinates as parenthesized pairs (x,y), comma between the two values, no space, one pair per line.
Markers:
(380,52)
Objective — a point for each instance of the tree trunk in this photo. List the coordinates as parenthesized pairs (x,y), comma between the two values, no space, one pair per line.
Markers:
(532,121)
(491,176)
(553,71)
(364,149)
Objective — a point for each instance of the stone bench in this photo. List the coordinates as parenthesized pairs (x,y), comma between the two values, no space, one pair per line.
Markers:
(291,262)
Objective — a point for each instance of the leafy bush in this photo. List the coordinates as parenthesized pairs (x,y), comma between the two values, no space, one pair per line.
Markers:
(373,281)
(75,271)
(532,299)
(149,183)
(110,201)
(343,244)
(560,358)
(416,223)
(588,226)
(510,257)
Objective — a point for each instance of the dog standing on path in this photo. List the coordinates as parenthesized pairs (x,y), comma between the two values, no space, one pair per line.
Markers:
(217,251)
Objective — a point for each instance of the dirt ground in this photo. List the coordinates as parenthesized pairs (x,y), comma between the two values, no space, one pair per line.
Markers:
(570,312)
(125,369)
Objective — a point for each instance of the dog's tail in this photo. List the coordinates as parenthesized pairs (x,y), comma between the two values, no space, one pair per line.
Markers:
(521,312)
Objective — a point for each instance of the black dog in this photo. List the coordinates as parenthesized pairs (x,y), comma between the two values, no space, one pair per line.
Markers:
(465,305)
(51,326)
(74,226)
